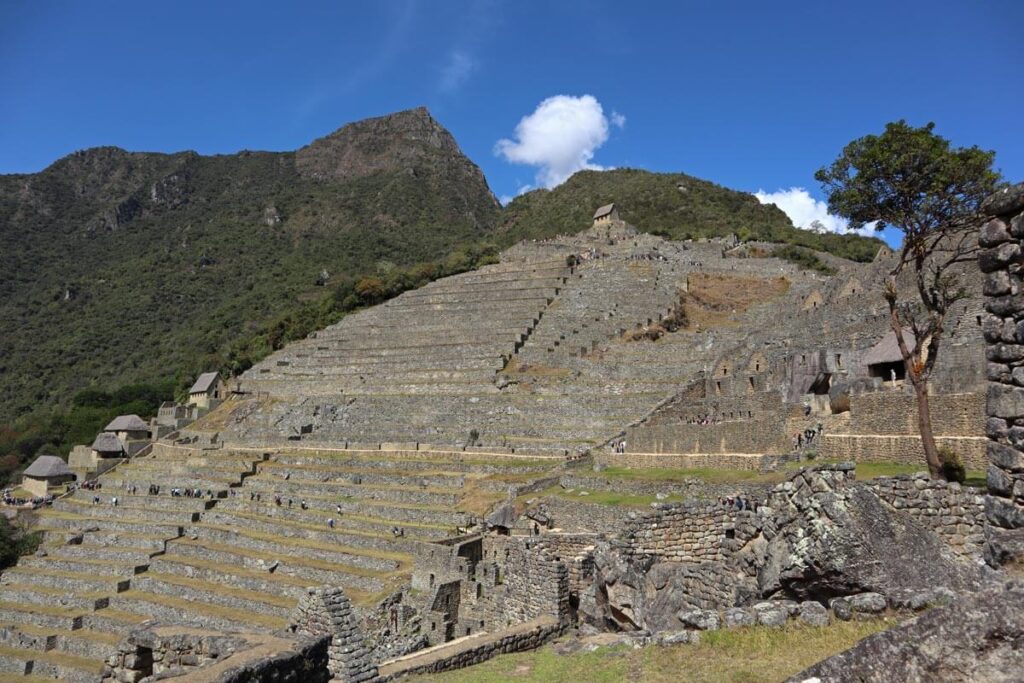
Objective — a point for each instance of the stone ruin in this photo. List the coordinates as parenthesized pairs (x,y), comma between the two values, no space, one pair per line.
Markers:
(375,500)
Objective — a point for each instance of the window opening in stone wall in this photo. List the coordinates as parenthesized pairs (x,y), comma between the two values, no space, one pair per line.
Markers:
(839,360)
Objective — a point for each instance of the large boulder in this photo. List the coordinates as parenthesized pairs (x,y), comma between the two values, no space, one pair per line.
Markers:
(639,593)
(979,637)
(832,536)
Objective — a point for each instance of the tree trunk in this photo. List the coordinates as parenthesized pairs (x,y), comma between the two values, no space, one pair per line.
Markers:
(924,424)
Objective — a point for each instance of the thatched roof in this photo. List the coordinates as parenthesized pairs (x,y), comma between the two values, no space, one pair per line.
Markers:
(48,466)
(127,423)
(604,210)
(204,383)
(887,350)
(107,442)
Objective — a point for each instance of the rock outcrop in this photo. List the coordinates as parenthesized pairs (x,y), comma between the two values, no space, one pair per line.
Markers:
(978,638)
(830,536)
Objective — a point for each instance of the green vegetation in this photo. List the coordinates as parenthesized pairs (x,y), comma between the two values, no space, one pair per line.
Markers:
(655,203)
(747,655)
(56,431)
(805,258)
(912,179)
(146,269)
(16,541)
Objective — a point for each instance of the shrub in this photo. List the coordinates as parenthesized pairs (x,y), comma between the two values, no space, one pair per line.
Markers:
(474,436)
(952,466)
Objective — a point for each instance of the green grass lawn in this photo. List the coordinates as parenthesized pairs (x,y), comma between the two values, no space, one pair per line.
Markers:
(746,655)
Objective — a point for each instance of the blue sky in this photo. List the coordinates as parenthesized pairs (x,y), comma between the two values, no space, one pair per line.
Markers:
(754,96)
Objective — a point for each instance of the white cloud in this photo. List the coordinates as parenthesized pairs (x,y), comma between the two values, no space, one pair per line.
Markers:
(618,120)
(805,211)
(460,66)
(506,198)
(560,137)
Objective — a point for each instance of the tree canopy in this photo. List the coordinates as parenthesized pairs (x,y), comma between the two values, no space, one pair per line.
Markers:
(914,180)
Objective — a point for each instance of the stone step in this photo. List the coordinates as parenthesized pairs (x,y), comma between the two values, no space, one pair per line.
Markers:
(196,590)
(267,583)
(42,615)
(49,665)
(97,554)
(112,621)
(41,595)
(164,501)
(317,514)
(366,475)
(297,488)
(135,543)
(85,643)
(63,580)
(278,545)
(171,610)
(294,529)
(52,519)
(309,571)
(120,568)
(124,509)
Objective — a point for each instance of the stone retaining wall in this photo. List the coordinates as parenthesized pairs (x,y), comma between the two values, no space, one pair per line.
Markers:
(688,533)
(903,448)
(956,513)
(895,413)
(689,489)
(680,461)
(149,653)
(475,651)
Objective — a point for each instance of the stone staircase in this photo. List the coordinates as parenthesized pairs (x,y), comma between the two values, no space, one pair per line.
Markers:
(237,558)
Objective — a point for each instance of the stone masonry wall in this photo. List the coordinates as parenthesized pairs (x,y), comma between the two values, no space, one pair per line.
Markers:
(533,584)
(956,513)
(1001,260)
(904,448)
(688,533)
(889,412)
(327,611)
(146,653)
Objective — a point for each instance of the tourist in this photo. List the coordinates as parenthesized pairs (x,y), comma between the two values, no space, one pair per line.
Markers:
(337,509)
(113,501)
(330,523)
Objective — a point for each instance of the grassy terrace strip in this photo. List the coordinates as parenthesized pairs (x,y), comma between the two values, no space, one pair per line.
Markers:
(339,528)
(293,560)
(231,569)
(98,636)
(403,559)
(755,654)
(7,609)
(604,497)
(202,608)
(241,593)
(55,658)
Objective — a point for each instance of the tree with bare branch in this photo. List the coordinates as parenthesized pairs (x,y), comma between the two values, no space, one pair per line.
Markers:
(913,180)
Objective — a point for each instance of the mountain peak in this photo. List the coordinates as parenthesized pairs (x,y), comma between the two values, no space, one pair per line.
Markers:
(407,141)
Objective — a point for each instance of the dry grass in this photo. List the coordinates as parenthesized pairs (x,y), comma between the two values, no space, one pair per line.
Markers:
(747,655)
(713,300)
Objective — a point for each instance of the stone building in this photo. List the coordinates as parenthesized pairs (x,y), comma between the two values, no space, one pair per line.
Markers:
(208,390)
(132,431)
(107,445)
(605,215)
(885,361)
(46,473)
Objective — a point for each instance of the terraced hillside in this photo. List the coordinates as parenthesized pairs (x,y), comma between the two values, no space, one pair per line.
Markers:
(527,354)
(237,556)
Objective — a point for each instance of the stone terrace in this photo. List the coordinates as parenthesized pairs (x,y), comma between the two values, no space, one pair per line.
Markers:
(527,354)
(232,559)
